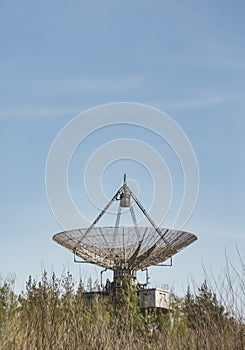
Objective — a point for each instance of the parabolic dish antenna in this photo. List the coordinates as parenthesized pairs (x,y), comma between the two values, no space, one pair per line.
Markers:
(125,249)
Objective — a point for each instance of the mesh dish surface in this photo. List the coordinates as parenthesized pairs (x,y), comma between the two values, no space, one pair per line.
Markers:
(127,247)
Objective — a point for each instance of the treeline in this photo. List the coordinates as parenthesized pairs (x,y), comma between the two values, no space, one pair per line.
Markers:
(53,314)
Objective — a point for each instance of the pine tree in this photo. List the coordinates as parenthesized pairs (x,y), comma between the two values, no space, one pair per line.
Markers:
(202,311)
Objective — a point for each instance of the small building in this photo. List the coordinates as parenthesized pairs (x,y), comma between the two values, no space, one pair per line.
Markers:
(154,298)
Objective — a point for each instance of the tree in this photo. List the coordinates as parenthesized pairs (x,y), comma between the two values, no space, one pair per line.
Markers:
(127,309)
(202,311)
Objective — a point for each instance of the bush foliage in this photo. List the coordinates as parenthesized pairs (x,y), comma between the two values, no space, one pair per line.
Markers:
(53,314)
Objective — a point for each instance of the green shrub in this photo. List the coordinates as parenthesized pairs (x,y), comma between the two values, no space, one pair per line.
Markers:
(53,314)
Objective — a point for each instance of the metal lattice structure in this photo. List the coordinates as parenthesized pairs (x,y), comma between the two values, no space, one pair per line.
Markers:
(125,248)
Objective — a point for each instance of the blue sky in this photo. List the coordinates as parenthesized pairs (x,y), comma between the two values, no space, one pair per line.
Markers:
(59,58)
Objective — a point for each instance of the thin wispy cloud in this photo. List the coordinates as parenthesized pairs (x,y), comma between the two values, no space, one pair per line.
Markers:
(190,103)
(86,84)
(39,112)
(31,106)
(35,111)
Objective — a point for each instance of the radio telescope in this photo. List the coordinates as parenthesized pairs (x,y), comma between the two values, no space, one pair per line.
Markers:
(124,250)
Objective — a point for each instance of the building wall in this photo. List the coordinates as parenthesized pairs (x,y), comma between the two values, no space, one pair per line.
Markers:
(154,298)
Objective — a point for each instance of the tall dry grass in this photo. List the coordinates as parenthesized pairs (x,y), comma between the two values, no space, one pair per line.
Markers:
(53,314)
